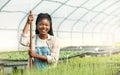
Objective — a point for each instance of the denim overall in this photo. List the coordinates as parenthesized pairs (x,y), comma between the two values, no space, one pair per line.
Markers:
(42,50)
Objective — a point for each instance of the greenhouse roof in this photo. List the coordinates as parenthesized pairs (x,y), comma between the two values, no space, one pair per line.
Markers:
(84,22)
(67,15)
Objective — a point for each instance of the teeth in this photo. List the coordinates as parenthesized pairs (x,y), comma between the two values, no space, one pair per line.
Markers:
(43,30)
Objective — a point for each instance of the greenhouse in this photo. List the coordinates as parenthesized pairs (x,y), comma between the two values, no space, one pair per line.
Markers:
(88,31)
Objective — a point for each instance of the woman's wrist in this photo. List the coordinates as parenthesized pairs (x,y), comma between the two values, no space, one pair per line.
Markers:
(27,23)
(36,56)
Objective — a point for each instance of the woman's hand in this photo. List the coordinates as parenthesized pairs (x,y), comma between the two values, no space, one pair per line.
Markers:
(32,53)
(35,55)
(29,22)
(30,18)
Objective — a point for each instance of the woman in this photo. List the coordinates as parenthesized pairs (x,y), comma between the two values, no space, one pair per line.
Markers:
(45,45)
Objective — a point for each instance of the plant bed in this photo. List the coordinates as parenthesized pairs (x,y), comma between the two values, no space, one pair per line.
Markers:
(102,65)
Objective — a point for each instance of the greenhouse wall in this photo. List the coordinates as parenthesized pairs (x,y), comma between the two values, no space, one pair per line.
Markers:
(75,23)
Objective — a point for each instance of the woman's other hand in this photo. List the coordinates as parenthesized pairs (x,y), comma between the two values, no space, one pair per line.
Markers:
(30,18)
(32,53)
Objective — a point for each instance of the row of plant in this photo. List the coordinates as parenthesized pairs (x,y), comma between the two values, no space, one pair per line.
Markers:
(80,66)
(106,65)
(14,55)
(23,55)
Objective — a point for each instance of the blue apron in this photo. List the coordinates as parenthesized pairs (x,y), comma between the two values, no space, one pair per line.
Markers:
(42,50)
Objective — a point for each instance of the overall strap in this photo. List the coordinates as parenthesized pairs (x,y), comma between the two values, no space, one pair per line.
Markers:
(36,40)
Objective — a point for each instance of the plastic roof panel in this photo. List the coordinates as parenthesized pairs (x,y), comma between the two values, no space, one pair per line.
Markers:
(99,17)
(15,5)
(116,12)
(106,4)
(87,22)
(89,16)
(76,3)
(113,8)
(3,3)
(63,11)
(50,7)
(10,20)
(92,4)
(66,25)
(56,22)
(78,27)
(59,1)
(67,15)
(78,13)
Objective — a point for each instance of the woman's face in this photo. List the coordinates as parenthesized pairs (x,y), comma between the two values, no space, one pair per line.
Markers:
(43,26)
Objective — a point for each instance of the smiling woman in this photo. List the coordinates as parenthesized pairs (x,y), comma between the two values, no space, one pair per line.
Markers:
(45,45)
